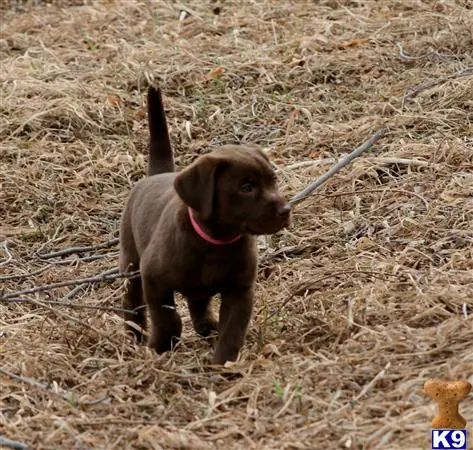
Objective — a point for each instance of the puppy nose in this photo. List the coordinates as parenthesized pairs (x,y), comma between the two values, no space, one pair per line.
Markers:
(284,209)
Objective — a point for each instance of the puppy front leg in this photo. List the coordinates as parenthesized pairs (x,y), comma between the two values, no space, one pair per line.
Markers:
(166,325)
(235,314)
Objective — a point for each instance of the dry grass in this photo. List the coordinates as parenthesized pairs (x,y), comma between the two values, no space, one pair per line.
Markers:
(373,295)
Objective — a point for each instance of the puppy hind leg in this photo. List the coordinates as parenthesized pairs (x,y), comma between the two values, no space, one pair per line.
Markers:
(203,320)
(133,301)
(166,325)
(133,296)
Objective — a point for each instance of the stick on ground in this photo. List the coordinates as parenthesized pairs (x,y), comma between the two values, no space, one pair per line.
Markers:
(66,304)
(337,167)
(96,279)
(72,250)
(66,395)
(5,442)
(81,287)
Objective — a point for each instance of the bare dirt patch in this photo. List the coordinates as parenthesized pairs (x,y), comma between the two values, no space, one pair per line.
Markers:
(372,294)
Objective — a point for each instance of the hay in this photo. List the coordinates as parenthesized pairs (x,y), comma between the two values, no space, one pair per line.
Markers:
(366,296)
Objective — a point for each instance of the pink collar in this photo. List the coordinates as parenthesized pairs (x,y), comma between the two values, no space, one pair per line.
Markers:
(198,229)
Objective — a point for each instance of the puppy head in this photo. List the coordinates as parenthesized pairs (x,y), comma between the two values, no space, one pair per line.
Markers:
(235,186)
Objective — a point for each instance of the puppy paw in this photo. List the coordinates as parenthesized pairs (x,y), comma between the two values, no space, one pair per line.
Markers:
(163,344)
(206,327)
(224,355)
(166,329)
(166,335)
(135,332)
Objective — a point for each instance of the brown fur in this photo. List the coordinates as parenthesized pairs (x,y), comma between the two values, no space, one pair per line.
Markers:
(231,191)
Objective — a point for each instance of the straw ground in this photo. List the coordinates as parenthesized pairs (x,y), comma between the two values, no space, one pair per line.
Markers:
(366,295)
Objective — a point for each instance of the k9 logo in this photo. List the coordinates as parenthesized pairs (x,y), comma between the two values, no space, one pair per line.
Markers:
(449,439)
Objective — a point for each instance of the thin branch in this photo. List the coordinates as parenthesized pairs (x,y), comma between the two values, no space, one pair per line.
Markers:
(293,250)
(309,163)
(367,191)
(403,55)
(305,286)
(15,445)
(54,239)
(375,159)
(73,292)
(366,388)
(80,287)
(48,287)
(67,396)
(87,258)
(416,90)
(66,304)
(309,285)
(25,275)
(72,250)
(340,165)
(73,319)
(405,161)
(30,381)
(7,252)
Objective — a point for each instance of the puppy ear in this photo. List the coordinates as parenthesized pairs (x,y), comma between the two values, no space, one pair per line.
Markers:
(258,150)
(263,154)
(195,185)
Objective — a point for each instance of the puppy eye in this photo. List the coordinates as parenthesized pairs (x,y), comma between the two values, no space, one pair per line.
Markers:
(247,188)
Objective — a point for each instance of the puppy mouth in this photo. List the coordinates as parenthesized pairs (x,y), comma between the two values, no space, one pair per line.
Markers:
(266,226)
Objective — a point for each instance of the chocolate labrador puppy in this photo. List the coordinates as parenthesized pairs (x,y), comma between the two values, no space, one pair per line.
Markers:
(194,232)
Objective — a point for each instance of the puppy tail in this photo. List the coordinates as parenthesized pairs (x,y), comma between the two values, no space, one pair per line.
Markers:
(160,152)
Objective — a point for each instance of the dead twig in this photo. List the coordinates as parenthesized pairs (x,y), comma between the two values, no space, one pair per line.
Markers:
(80,287)
(310,163)
(73,292)
(7,252)
(403,55)
(366,388)
(72,250)
(303,287)
(87,326)
(340,165)
(416,90)
(293,250)
(5,442)
(88,258)
(25,275)
(67,396)
(366,191)
(96,279)
(65,304)
(374,160)
(27,380)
